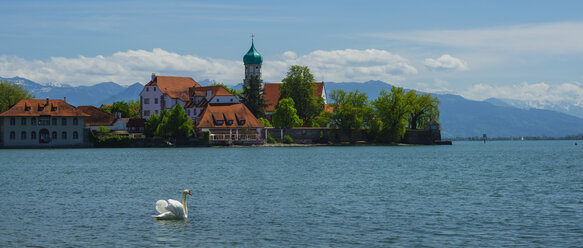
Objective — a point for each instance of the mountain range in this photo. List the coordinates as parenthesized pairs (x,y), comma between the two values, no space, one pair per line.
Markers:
(459,117)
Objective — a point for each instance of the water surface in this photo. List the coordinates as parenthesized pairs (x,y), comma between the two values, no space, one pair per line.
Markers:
(468,194)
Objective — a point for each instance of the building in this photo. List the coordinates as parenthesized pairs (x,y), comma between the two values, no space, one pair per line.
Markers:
(252,61)
(164,92)
(271,95)
(212,108)
(42,123)
(98,118)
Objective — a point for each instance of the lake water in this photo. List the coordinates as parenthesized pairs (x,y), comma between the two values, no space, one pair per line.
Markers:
(469,194)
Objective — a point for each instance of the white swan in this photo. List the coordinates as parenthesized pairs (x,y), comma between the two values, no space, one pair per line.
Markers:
(172,209)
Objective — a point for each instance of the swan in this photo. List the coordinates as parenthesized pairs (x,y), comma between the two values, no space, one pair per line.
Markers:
(172,209)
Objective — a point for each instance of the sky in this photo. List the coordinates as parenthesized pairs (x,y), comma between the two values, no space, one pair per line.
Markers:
(524,50)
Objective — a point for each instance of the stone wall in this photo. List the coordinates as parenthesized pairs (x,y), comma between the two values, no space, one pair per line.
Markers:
(315,135)
(422,137)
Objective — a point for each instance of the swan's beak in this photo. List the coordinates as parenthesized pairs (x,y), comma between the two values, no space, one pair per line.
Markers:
(189,193)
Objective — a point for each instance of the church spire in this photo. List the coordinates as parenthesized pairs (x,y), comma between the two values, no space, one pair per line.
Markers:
(252,61)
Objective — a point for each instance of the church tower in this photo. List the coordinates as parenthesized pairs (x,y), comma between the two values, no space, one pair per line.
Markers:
(252,61)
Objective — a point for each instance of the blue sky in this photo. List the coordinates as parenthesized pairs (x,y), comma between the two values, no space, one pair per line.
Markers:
(525,50)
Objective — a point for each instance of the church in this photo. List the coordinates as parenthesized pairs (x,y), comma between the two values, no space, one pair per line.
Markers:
(212,108)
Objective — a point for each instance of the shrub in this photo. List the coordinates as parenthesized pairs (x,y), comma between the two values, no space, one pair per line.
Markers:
(287,139)
(271,140)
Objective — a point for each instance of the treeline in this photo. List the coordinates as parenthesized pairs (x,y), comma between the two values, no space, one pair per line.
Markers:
(385,119)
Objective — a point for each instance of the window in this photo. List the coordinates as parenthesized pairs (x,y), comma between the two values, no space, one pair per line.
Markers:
(54,122)
(75,121)
(12,121)
(33,121)
(23,121)
(231,99)
(147,89)
(156,111)
(54,135)
(44,122)
(155,100)
(146,112)
(23,135)
(154,88)
(12,135)
(188,112)
(64,135)
(33,135)
(64,121)
(146,100)
(75,135)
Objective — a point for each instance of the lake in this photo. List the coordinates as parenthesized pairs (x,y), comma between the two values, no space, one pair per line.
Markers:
(506,193)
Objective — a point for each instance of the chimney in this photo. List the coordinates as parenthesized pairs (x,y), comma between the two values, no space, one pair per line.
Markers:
(47,101)
(65,99)
(153,76)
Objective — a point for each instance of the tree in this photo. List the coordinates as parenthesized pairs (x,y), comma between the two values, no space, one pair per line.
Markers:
(285,115)
(11,93)
(252,96)
(423,108)
(152,124)
(130,109)
(351,111)
(298,85)
(134,108)
(264,122)
(175,124)
(391,109)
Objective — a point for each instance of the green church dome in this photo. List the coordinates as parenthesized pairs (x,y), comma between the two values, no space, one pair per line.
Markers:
(252,57)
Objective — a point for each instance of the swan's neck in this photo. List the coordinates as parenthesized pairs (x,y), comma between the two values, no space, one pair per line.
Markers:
(184,204)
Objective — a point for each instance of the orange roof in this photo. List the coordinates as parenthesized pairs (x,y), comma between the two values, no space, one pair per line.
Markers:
(216,90)
(228,116)
(37,107)
(97,117)
(271,94)
(175,87)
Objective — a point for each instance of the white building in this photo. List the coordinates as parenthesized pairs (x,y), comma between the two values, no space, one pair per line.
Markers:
(164,92)
(42,123)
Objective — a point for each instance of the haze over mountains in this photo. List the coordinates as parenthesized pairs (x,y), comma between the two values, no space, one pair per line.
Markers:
(460,117)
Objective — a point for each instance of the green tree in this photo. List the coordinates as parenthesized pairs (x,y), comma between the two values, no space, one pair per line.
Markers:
(175,124)
(152,123)
(134,108)
(423,108)
(351,111)
(129,109)
(298,85)
(11,93)
(252,96)
(285,115)
(391,109)
(264,122)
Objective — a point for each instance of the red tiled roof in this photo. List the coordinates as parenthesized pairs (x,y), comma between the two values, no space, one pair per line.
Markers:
(175,87)
(37,107)
(216,90)
(96,116)
(271,94)
(240,116)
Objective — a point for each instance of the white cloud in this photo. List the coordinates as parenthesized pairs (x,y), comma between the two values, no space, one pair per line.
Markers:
(344,65)
(537,95)
(560,37)
(136,65)
(445,63)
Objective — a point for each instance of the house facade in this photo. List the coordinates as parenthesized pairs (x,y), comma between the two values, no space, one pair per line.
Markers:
(42,123)
(164,92)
